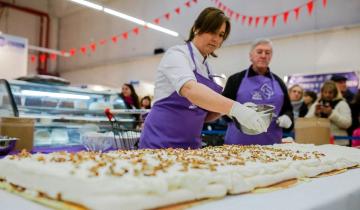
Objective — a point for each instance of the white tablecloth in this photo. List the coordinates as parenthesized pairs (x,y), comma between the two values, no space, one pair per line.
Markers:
(339,192)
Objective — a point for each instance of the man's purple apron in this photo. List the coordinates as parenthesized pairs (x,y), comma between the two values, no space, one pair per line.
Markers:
(174,121)
(259,90)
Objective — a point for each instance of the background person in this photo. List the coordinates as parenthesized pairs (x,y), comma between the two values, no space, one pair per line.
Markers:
(332,105)
(259,85)
(186,95)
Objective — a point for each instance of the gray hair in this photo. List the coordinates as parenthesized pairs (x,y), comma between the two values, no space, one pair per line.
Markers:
(260,41)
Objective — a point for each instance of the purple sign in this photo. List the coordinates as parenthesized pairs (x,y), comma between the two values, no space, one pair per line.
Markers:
(313,82)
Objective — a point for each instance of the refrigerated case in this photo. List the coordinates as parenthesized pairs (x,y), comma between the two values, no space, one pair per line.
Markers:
(63,113)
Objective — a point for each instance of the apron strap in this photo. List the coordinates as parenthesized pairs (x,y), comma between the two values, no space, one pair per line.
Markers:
(193,59)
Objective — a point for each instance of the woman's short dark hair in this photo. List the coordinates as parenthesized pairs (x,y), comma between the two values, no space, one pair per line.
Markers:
(210,20)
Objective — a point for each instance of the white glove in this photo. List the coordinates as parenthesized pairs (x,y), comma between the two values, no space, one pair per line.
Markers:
(284,121)
(248,117)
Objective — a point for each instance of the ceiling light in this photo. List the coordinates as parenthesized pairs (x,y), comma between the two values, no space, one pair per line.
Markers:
(126,17)
(88,4)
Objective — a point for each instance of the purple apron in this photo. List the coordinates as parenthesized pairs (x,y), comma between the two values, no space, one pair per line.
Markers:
(174,122)
(259,90)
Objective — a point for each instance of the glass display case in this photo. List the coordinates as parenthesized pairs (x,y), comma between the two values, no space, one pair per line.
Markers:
(63,113)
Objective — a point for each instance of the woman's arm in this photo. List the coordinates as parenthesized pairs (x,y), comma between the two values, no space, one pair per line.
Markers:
(206,98)
(212,116)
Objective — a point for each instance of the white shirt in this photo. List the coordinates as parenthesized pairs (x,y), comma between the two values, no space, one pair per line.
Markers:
(176,68)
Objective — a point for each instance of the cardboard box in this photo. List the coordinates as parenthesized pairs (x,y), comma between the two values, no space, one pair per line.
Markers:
(21,128)
(312,131)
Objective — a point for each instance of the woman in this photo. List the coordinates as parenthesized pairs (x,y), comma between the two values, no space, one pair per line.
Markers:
(145,102)
(259,85)
(296,93)
(332,105)
(129,96)
(186,95)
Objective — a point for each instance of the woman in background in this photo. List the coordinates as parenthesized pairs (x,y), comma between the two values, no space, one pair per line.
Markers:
(145,102)
(334,107)
(129,96)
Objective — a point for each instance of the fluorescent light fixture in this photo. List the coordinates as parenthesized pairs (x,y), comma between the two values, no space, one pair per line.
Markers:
(48,50)
(126,17)
(53,95)
(164,30)
(88,4)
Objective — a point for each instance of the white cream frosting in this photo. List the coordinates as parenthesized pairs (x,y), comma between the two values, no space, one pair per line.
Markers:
(141,179)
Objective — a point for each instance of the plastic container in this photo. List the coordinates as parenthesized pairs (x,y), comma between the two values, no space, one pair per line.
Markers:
(99,142)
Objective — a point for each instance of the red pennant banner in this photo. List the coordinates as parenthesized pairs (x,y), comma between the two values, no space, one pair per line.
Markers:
(93,47)
(157,20)
(285,16)
(250,20)
(63,52)
(324,3)
(53,56)
(195,1)
(266,18)
(42,58)
(125,35)
(274,17)
(243,19)
(72,51)
(257,20)
(136,31)
(114,39)
(177,10)
(237,16)
(187,4)
(310,6)
(230,13)
(297,12)
(33,58)
(167,16)
(83,50)
(103,42)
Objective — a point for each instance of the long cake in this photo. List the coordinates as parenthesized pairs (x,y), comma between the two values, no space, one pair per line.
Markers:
(144,179)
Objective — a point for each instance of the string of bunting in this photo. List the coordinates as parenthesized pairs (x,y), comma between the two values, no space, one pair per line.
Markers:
(246,20)
(255,20)
(92,47)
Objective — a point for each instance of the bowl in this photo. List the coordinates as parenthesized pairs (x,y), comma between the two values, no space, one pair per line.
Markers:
(99,142)
(266,112)
(7,144)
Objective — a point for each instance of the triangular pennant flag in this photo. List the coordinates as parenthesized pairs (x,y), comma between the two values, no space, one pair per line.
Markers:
(53,56)
(72,51)
(195,1)
(33,58)
(250,20)
(297,12)
(136,31)
(157,20)
(216,1)
(167,16)
(230,13)
(177,10)
(285,16)
(324,3)
(243,19)
(42,58)
(274,17)
(266,18)
(125,35)
(310,6)
(224,8)
(114,39)
(257,19)
(93,47)
(237,16)
(220,5)
(103,42)
(188,4)
(83,50)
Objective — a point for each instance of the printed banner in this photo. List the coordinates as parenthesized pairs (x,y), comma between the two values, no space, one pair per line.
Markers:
(313,82)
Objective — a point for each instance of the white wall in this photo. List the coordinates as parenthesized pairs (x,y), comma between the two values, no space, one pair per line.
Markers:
(334,50)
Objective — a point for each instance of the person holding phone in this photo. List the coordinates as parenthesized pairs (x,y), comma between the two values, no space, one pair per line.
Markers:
(334,107)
